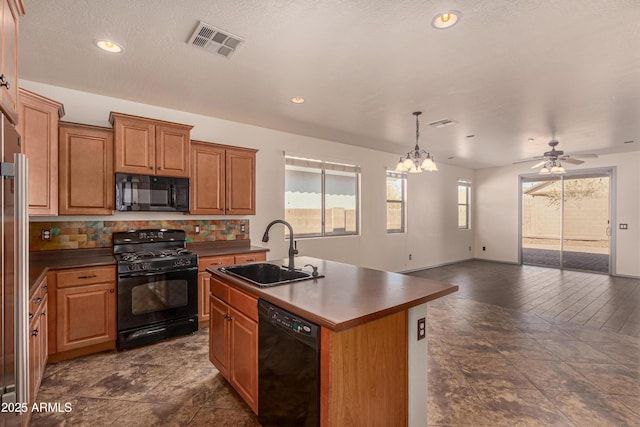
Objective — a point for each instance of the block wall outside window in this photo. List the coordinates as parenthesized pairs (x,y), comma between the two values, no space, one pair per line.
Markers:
(321,198)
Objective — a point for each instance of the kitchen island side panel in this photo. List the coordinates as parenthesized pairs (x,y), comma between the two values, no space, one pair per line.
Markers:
(364,374)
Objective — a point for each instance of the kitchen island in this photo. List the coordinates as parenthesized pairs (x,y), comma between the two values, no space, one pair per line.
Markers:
(373,368)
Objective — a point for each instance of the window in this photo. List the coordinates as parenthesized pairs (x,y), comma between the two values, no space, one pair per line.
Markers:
(396,190)
(321,198)
(464,199)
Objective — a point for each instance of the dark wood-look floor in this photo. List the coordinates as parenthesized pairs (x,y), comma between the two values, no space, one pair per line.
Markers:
(488,365)
(594,300)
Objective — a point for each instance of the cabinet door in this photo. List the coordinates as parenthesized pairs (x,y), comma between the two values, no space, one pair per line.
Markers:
(244,357)
(34,356)
(86,315)
(86,179)
(134,146)
(203,296)
(172,151)
(38,127)
(240,182)
(219,335)
(9,74)
(207,179)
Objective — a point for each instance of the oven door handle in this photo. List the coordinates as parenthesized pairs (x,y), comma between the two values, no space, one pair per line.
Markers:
(155,273)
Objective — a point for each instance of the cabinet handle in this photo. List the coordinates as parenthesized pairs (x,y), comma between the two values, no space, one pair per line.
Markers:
(159,168)
(44,313)
(3,81)
(37,300)
(45,287)
(150,167)
(111,291)
(35,332)
(30,315)
(90,276)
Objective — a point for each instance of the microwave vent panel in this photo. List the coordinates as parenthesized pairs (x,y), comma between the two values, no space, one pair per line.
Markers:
(215,40)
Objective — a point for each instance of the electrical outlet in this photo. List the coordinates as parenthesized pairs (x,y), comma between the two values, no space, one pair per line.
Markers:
(624,227)
(410,257)
(469,248)
(242,228)
(196,229)
(45,234)
(484,248)
(422,329)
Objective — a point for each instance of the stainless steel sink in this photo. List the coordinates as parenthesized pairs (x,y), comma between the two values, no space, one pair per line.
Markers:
(265,274)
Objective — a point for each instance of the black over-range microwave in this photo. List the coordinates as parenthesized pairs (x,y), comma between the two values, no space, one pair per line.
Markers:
(151,193)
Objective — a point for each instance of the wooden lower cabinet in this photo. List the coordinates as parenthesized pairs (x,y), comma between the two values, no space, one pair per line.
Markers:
(86,307)
(233,340)
(218,261)
(38,337)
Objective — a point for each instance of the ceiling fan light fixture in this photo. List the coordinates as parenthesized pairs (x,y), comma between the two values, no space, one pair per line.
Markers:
(544,171)
(416,160)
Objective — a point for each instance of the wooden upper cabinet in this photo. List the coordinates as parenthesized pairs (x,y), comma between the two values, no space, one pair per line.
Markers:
(38,127)
(207,179)
(222,179)
(240,182)
(86,179)
(150,147)
(11,10)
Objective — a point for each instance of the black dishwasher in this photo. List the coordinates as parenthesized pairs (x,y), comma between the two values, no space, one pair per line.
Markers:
(288,368)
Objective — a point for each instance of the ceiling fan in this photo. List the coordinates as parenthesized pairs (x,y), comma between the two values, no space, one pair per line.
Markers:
(550,160)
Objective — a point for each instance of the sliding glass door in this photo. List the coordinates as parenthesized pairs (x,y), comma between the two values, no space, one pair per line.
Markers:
(566,221)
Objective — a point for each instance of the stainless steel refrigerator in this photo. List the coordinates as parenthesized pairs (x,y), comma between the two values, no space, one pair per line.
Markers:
(14,270)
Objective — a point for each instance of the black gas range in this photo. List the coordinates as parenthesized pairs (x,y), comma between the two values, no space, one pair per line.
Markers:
(157,286)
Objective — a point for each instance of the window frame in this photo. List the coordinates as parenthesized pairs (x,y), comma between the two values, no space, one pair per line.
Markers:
(323,167)
(403,202)
(467,203)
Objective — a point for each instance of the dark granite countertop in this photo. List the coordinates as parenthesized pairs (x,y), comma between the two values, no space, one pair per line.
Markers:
(42,261)
(348,295)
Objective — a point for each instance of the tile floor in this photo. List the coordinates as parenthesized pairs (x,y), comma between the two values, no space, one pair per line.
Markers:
(488,366)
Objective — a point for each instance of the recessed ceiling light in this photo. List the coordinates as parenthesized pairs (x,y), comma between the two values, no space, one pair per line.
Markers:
(297,100)
(109,46)
(446,20)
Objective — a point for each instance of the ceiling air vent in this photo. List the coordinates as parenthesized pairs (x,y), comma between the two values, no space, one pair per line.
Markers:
(442,123)
(215,40)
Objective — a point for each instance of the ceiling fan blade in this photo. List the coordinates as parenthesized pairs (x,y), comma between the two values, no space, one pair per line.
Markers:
(585,156)
(538,164)
(572,161)
(533,159)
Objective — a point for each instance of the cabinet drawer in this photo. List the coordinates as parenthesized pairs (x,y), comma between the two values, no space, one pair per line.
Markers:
(85,276)
(215,261)
(251,257)
(219,289)
(38,297)
(244,303)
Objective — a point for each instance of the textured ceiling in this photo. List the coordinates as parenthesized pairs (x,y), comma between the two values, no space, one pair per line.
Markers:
(508,71)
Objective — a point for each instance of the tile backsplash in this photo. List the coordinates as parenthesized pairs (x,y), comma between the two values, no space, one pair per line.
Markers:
(97,234)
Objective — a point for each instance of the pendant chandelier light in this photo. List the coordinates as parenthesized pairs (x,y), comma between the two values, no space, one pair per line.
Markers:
(416,160)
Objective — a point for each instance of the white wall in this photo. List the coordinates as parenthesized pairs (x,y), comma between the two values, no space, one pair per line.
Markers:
(433,237)
(496,210)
